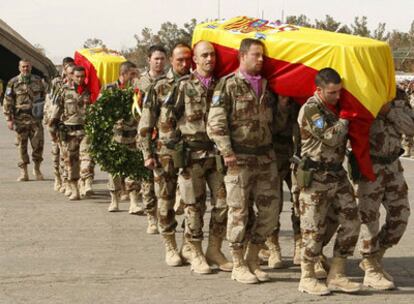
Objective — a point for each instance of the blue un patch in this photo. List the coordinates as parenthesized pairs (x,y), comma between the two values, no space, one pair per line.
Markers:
(319,123)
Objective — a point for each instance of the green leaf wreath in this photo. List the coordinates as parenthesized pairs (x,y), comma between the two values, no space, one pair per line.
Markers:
(115,158)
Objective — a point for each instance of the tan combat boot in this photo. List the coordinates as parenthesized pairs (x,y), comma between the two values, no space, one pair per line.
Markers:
(297,249)
(198,262)
(308,281)
(58,181)
(214,255)
(68,189)
(152,227)
(186,251)
(36,171)
(252,260)
(74,195)
(24,176)
(380,255)
(172,258)
(374,277)
(87,190)
(337,279)
(114,205)
(275,257)
(320,271)
(241,272)
(64,185)
(135,207)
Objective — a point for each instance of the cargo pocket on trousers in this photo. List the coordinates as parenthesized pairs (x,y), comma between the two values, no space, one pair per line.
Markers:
(234,191)
(186,186)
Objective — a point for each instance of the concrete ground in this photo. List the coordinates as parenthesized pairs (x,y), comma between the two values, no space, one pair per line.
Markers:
(56,251)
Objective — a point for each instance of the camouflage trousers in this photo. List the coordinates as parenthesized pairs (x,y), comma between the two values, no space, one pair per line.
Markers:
(248,186)
(390,190)
(55,151)
(71,156)
(285,175)
(165,185)
(34,133)
(192,182)
(328,195)
(146,187)
(87,165)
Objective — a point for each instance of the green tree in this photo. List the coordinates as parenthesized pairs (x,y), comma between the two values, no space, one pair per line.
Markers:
(93,43)
(300,20)
(360,27)
(380,32)
(168,35)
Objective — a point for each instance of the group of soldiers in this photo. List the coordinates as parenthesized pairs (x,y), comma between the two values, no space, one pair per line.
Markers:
(236,137)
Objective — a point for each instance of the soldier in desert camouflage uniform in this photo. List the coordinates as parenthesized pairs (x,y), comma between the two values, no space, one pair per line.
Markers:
(23,94)
(324,185)
(284,149)
(56,85)
(199,164)
(242,121)
(157,56)
(158,115)
(389,189)
(69,114)
(125,132)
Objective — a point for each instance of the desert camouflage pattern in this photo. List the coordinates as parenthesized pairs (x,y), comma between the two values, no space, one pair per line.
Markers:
(192,106)
(19,97)
(323,139)
(240,121)
(158,117)
(390,188)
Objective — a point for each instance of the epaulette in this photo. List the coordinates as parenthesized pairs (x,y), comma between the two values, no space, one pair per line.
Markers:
(223,80)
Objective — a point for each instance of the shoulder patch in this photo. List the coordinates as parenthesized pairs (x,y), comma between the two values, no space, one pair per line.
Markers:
(215,101)
(9,91)
(318,121)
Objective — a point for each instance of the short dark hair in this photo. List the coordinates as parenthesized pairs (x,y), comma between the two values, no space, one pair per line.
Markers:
(246,43)
(327,76)
(156,48)
(24,60)
(78,68)
(180,44)
(67,60)
(126,66)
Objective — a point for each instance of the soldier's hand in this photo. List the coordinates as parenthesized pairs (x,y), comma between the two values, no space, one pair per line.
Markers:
(150,163)
(10,124)
(230,161)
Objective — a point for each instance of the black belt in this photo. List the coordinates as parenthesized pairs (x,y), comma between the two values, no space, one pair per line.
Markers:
(324,166)
(386,160)
(199,145)
(74,127)
(261,150)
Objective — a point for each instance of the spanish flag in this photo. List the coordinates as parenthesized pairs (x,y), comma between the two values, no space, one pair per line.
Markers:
(295,54)
(101,65)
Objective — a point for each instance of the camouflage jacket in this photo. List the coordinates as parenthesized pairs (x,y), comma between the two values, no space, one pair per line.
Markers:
(158,113)
(125,131)
(241,123)
(70,106)
(323,134)
(19,97)
(387,130)
(192,107)
(145,81)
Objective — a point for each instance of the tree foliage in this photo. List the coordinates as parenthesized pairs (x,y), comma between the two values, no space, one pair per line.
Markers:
(93,43)
(168,35)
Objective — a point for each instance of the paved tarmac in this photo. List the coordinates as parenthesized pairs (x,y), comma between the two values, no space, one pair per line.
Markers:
(55,251)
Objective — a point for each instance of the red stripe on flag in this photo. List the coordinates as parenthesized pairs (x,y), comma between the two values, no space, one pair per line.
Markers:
(297,81)
(92,80)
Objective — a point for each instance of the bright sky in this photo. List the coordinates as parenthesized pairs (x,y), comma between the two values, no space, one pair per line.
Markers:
(61,27)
